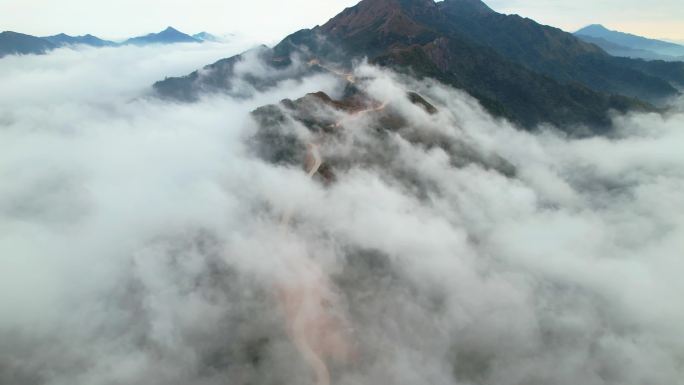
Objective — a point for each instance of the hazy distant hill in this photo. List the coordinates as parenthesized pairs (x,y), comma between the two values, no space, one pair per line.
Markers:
(19,43)
(206,36)
(517,68)
(12,43)
(64,40)
(168,36)
(625,44)
(619,50)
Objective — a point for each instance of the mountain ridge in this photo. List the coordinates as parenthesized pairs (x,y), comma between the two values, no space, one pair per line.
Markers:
(429,39)
(63,39)
(15,43)
(630,45)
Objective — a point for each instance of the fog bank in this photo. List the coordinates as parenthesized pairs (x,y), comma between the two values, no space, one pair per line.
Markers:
(141,240)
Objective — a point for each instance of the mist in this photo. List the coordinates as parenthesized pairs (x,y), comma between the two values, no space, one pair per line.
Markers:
(143,241)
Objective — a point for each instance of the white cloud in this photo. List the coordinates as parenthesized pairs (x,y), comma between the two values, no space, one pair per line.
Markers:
(141,241)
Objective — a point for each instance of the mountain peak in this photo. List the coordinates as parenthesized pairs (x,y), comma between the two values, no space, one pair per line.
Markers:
(168,36)
(418,3)
(593,28)
(170,29)
(469,6)
(384,16)
(393,5)
(406,3)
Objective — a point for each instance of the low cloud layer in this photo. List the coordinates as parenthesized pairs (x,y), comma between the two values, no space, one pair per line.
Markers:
(142,241)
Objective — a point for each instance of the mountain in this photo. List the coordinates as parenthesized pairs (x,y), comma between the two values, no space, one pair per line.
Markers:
(19,43)
(631,41)
(622,51)
(168,36)
(553,52)
(319,113)
(13,43)
(628,45)
(516,68)
(66,40)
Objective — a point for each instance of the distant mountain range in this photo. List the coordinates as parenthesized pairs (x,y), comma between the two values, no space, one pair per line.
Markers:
(12,43)
(62,40)
(517,68)
(629,45)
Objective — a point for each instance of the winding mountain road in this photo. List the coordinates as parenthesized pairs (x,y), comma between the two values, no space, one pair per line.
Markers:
(315,321)
(348,76)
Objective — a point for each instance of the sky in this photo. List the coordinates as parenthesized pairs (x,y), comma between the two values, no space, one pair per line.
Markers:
(271,20)
(662,19)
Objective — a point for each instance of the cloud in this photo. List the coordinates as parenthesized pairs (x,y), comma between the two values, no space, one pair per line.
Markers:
(143,241)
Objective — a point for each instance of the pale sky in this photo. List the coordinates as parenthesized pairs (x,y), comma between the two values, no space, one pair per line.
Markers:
(654,18)
(270,20)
